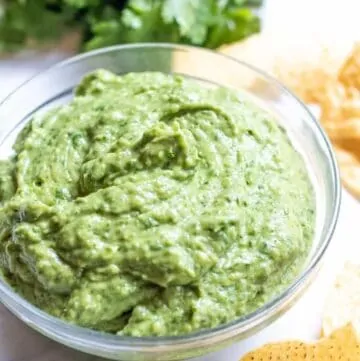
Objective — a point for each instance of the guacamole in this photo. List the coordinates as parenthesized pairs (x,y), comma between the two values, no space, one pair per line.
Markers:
(151,205)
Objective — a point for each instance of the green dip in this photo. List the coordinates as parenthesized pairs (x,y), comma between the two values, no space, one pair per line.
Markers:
(153,206)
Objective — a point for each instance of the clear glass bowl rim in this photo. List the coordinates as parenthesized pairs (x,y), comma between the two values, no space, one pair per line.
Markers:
(237,326)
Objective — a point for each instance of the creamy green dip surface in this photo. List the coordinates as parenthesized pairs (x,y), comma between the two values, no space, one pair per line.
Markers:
(151,205)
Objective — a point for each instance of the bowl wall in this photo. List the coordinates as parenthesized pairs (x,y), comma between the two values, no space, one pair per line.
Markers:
(54,87)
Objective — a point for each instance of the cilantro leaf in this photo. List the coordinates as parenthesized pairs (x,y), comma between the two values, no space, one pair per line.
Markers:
(233,25)
(23,20)
(208,23)
(184,14)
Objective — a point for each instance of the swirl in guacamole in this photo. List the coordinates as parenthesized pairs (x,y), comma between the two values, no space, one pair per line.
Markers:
(151,205)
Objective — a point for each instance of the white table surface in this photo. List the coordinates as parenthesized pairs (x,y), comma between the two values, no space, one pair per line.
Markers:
(20,343)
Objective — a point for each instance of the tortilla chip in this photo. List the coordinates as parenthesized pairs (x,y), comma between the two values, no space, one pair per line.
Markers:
(349,74)
(343,302)
(331,100)
(213,68)
(342,344)
(347,129)
(305,63)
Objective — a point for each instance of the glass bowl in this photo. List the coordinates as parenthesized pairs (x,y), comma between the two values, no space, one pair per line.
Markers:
(54,86)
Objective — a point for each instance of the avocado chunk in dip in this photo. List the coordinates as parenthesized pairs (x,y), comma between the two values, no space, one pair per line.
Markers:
(151,205)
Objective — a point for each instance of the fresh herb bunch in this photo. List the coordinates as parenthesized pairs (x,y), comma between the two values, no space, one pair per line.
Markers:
(208,23)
